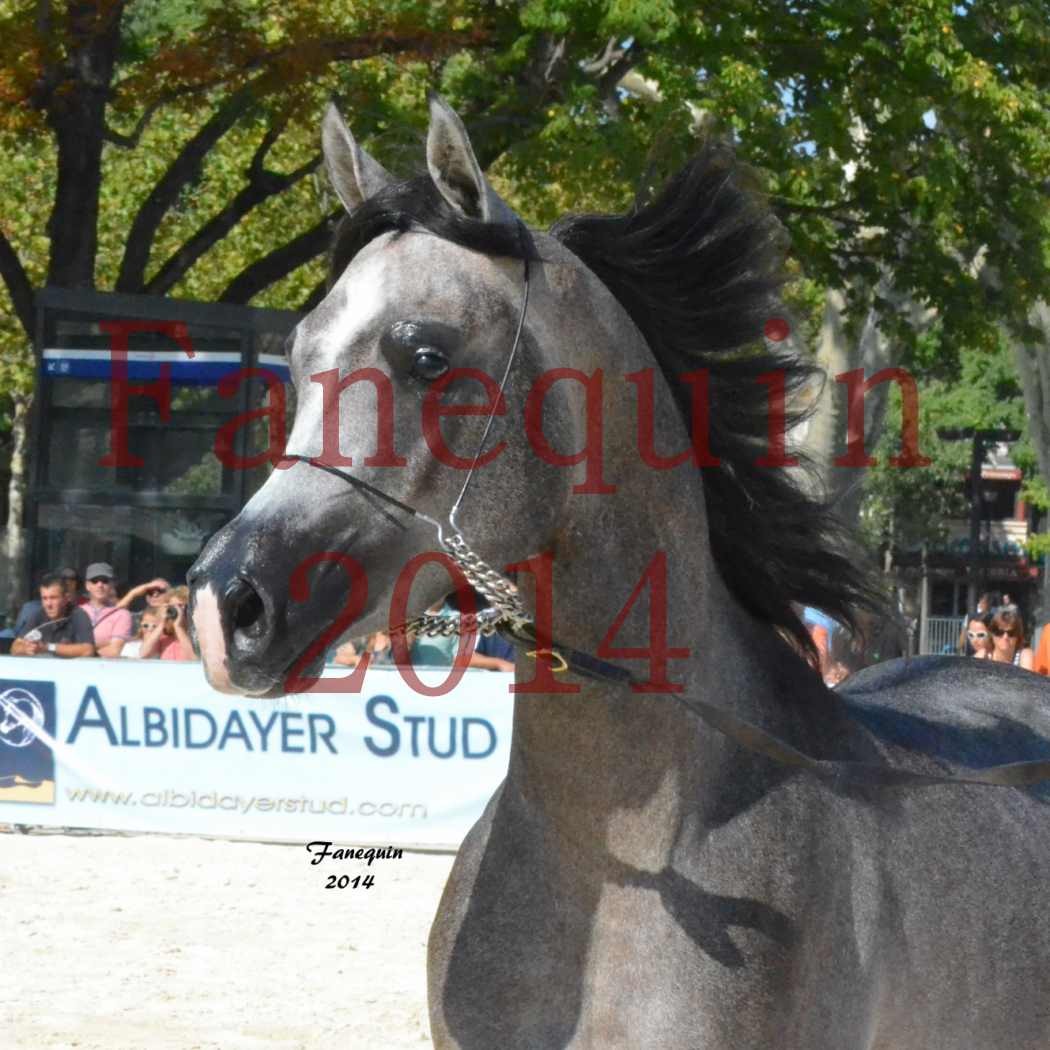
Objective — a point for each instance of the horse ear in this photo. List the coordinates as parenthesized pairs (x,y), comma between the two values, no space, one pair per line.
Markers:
(455,169)
(354,175)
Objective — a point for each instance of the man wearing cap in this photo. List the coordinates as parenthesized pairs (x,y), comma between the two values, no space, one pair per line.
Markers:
(111,623)
(59,628)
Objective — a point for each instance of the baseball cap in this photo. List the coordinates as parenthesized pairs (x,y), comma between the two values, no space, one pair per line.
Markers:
(98,568)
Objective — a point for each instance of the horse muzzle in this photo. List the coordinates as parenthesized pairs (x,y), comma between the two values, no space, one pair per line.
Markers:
(247,637)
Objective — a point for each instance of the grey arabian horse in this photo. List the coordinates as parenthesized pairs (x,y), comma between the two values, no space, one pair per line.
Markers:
(641,879)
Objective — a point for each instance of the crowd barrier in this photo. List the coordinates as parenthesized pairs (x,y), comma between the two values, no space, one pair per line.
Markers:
(149,746)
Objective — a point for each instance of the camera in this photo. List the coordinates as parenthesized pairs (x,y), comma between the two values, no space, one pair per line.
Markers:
(172,613)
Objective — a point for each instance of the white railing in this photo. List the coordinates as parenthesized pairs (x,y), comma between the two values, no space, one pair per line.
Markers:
(942,634)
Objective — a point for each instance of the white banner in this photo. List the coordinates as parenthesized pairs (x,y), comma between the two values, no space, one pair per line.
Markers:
(148,746)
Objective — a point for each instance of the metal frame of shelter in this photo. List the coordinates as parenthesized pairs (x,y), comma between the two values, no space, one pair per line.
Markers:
(151,518)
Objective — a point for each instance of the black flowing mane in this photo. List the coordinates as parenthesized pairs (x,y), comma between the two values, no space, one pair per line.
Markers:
(698,269)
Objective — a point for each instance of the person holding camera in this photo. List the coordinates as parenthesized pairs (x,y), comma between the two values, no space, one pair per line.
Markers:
(169,637)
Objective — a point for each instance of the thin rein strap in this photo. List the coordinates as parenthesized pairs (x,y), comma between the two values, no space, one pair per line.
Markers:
(523,239)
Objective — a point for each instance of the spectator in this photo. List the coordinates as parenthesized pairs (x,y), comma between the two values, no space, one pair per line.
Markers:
(436,650)
(70,581)
(381,649)
(493,653)
(1041,663)
(1007,630)
(30,610)
(823,630)
(110,620)
(155,592)
(377,645)
(978,638)
(59,629)
(169,638)
(985,604)
(349,653)
(149,619)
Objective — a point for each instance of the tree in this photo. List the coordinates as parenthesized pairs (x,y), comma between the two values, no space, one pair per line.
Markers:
(165,146)
(170,146)
(1032,355)
(898,142)
(903,145)
(963,389)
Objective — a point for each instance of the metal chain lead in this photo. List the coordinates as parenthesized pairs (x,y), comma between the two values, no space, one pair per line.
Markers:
(501,594)
(492,585)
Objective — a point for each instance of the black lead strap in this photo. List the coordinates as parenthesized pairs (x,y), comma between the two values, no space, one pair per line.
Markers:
(760,742)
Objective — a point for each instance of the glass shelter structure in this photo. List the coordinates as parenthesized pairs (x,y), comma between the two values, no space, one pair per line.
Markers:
(149,430)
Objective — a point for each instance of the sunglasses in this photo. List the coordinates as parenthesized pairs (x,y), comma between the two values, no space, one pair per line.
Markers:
(977,636)
(999,632)
(101,579)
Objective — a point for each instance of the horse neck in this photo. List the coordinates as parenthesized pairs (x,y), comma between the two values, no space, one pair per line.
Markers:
(620,769)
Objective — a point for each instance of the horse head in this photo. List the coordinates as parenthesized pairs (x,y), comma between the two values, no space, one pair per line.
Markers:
(419,313)
(447,317)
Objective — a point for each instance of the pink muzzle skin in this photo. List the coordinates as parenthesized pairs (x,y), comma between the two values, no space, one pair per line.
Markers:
(207,624)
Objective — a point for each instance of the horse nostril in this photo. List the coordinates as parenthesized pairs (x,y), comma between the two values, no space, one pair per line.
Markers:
(246,610)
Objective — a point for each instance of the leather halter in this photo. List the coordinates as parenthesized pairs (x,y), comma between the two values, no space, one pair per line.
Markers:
(515,624)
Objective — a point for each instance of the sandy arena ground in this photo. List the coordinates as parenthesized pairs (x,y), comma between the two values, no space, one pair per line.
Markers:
(150,942)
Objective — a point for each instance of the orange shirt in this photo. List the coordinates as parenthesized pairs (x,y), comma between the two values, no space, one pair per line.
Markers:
(1041,664)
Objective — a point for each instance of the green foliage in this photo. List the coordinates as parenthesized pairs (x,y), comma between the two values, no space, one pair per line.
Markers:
(911,506)
(899,139)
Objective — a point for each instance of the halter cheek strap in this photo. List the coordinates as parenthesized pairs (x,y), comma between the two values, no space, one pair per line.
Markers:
(526,247)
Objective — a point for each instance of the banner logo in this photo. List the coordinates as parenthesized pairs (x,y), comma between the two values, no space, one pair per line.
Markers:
(27,765)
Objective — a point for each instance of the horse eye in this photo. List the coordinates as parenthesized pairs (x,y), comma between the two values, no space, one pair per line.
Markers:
(429,364)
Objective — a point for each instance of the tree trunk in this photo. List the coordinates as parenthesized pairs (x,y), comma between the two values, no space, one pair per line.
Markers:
(1033,364)
(839,351)
(13,591)
(74,93)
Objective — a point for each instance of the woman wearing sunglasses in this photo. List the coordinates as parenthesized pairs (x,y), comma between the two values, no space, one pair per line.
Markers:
(1007,630)
(978,638)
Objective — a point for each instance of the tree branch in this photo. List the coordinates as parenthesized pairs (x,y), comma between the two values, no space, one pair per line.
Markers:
(613,53)
(1033,365)
(831,210)
(280,262)
(131,140)
(186,167)
(609,69)
(18,285)
(262,185)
